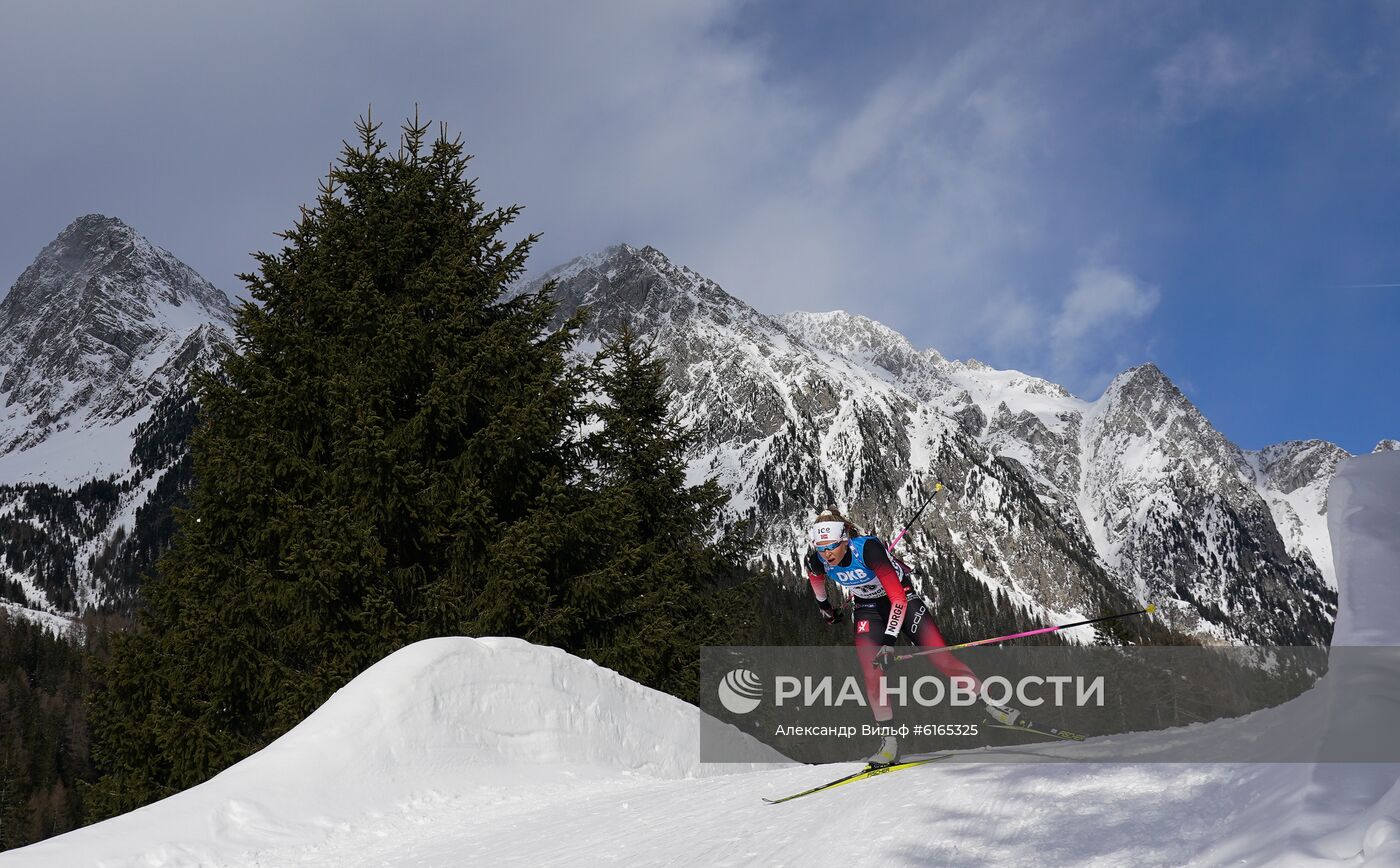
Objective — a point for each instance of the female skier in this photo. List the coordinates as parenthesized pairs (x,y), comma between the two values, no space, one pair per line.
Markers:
(884,604)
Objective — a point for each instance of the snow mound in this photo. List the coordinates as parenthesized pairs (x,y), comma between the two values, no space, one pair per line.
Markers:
(1340,812)
(498,702)
(454,720)
(1363,519)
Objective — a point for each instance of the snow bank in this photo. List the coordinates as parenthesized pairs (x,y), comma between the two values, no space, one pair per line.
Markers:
(1364,521)
(1341,813)
(447,720)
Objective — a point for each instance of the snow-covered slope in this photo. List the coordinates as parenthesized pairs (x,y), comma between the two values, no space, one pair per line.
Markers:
(1293,478)
(1341,813)
(1364,524)
(457,752)
(480,728)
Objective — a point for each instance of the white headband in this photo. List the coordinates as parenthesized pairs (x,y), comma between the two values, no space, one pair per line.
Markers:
(824,532)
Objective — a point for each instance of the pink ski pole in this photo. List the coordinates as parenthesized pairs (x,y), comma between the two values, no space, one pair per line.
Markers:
(1151,607)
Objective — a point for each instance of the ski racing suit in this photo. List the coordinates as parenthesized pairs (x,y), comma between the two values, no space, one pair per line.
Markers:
(883,605)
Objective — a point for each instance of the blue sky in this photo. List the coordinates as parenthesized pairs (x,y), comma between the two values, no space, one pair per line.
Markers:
(1065,188)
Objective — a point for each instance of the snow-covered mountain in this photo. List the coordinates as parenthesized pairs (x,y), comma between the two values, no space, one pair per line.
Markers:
(1059,502)
(98,340)
(99,327)
(1293,477)
(1175,508)
(789,424)
(493,751)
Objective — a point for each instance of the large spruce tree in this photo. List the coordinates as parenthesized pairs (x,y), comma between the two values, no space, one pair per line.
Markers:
(665,574)
(393,442)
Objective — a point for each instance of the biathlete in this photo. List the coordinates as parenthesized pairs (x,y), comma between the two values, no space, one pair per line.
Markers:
(884,605)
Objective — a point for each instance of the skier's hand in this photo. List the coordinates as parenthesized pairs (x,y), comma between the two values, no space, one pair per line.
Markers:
(828,611)
(884,657)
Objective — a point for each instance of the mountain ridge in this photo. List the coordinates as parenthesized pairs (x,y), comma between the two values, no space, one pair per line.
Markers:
(1058,503)
(837,408)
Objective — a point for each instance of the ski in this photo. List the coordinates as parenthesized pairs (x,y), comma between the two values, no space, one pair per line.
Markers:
(867,772)
(1030,726)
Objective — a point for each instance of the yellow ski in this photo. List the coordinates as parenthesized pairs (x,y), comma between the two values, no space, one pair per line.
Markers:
(867,772)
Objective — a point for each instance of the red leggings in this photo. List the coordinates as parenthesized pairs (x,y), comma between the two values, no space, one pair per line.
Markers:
(870,619)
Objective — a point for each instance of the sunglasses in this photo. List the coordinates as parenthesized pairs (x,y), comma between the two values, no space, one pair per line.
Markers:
(827,548)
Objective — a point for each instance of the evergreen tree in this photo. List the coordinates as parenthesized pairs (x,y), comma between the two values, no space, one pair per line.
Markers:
(661,575)
(43,732)
(394,437)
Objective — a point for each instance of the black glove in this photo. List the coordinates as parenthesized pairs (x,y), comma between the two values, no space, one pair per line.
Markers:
(828,611)
(885,656)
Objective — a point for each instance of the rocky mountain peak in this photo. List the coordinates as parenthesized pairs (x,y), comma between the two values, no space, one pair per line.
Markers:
(97,261)
(1292,464)
(641,287)
(1173,503)
(89,331)
(1143,401)
(1149,428)
(860,338)
(858,331)
(1144,386)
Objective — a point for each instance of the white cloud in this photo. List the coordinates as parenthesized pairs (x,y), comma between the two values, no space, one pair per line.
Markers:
(1011,324)
(926,203)
(1103,304)
(1213,70)
(893,114)
(934,200)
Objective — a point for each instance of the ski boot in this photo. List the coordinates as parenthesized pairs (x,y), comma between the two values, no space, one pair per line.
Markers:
(1006,715)
(887,755)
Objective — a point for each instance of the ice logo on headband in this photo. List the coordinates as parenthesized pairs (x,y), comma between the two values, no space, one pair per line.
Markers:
(824,532)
